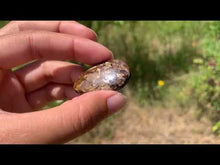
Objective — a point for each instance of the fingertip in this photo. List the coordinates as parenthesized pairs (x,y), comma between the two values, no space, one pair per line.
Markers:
(78,70)
(86,31)
(114,100)
(91,52)
(77,29)
(111,54)
(93,36)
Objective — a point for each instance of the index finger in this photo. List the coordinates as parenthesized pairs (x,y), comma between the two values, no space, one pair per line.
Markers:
(19,48)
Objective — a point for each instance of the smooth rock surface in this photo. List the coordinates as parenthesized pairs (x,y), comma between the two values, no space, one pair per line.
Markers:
(110,75)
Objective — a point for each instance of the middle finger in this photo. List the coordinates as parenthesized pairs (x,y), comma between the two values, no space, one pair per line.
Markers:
(40,73)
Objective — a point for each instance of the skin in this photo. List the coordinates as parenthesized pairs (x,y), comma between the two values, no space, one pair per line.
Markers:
(46,45)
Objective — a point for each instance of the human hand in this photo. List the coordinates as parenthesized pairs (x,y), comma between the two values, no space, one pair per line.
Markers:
(46,44)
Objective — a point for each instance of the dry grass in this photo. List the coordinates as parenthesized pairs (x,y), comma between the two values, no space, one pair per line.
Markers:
(151,125)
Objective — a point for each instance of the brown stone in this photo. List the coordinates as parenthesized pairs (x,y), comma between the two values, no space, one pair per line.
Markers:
(110,75)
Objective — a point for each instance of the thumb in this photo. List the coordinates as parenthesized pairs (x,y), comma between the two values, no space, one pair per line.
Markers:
(67,121)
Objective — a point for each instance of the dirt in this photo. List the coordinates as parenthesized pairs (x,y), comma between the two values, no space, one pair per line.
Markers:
(163,126)
(156,125)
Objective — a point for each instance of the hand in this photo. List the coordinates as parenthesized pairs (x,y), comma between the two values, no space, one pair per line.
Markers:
(26,90)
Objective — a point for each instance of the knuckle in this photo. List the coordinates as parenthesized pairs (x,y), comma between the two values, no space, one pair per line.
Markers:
(59,25)
(55,91)
(88,115)
(48,74)
(31,36)
(30,40)
(83,120)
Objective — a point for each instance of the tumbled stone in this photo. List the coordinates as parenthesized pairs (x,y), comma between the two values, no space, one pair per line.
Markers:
(110,75)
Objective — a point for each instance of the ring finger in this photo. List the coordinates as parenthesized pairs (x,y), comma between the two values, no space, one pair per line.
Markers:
(48,93)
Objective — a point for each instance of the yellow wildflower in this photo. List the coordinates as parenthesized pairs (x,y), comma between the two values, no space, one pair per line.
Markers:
(161,83)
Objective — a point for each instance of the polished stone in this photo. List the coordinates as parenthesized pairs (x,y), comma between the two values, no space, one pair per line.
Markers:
(110,75)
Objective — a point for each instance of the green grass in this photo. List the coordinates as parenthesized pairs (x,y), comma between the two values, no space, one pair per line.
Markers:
(2,23)
(154,50)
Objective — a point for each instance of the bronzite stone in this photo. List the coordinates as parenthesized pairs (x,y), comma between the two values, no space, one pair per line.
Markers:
(110,75)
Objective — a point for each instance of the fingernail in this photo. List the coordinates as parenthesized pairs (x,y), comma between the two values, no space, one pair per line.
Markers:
(112,54)
(115,103)
(95,34)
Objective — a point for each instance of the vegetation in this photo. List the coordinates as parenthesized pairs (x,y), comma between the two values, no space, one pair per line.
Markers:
(171,62)
(156,52)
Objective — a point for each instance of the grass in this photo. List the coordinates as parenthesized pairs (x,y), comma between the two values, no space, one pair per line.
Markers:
(2,23)
(154,50)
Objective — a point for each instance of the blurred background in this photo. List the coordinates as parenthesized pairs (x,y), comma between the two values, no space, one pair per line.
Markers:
(174,91)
